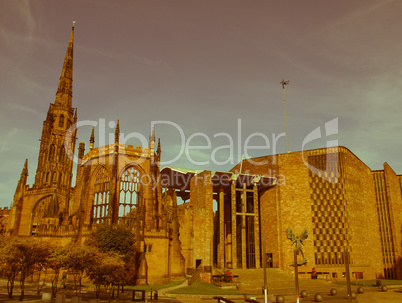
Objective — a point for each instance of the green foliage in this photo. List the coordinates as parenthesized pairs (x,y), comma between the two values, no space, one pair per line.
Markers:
(113,238)
(9,261)
(57,261)
(110,272)
(21,255)
(117,246)
(79,259)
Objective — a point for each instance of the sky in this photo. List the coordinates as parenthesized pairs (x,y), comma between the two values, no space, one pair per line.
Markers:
(207,74)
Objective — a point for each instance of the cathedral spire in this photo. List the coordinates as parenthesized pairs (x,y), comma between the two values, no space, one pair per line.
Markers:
(64,93)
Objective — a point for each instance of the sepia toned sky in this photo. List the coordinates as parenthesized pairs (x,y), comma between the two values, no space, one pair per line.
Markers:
(212,70)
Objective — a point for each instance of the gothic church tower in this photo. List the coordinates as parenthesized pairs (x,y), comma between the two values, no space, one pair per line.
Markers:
(58,141)
(45,206)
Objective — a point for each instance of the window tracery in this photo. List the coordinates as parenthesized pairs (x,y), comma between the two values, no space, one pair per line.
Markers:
(61,120)
(101,193)
(129,192)
(52,152)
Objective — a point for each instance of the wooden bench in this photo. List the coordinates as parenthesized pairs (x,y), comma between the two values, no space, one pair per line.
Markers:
(223,278)
(218,278)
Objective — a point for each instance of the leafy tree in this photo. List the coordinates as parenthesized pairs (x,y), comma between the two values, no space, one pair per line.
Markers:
(119,239)
(9,260)
(57,261)
(32,252)
(20,255)
(79,259)
(113,238)
(109,273)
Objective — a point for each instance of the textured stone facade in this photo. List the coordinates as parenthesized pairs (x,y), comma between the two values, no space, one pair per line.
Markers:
(4,212)
(115,184)
(225,217)
(331,193)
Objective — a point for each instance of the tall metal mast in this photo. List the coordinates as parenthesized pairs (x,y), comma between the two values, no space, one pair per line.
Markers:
(286,116)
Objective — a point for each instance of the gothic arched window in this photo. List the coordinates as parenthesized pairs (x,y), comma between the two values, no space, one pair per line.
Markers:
(61,121)
(54,177)
(62,154)
(38,213)
(101,199)
(129,190)
(52,152)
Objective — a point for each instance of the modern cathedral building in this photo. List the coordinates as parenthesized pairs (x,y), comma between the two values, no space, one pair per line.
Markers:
(225,216)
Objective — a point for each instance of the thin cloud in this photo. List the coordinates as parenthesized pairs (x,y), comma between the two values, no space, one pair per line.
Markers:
(124,57)
(19,107)
(360,13)
(5,142)
(20,11)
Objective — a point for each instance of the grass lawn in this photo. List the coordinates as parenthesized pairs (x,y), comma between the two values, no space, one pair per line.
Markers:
(154,287)
(204,288)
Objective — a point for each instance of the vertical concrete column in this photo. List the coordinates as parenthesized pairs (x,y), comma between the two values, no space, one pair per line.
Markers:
(233,217)
(222,236)
(243,228)
(256,227)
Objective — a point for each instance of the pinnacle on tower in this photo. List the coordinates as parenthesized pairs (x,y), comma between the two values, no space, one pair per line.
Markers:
(64,92)
(92,139)
(25,169)
(117,132)
(158,150)
(24,176)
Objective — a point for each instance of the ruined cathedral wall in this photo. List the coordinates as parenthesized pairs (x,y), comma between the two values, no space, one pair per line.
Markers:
(185,215)
(157,259)
(103,157)
(28,204)
(196,224)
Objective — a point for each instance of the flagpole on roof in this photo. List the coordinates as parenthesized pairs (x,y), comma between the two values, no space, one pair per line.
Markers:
(286,116)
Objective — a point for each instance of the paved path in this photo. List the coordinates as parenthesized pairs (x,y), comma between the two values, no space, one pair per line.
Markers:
(251,281)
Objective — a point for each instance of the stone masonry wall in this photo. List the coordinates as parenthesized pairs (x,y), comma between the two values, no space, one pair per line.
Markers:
(395,203)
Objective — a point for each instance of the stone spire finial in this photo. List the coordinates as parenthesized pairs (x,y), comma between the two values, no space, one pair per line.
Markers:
(117,132)
(64,94)
(158,150)
(25,169)
(92,139)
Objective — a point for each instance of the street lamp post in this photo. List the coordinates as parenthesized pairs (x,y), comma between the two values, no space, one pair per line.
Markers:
(264,260)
